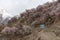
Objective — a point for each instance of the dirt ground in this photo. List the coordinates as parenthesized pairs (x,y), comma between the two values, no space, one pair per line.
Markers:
(49,33)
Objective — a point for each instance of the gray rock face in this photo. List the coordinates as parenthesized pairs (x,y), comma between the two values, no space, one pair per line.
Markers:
(0,19)
(5,21)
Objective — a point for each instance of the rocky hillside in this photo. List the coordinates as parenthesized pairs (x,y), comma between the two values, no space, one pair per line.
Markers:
(40,23)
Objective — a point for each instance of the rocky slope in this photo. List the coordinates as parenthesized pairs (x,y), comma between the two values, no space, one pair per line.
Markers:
(40,23)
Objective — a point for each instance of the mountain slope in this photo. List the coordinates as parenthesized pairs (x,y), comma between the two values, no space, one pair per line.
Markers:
(41,23)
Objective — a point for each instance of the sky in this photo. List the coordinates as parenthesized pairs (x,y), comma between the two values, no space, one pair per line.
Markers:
(15,7)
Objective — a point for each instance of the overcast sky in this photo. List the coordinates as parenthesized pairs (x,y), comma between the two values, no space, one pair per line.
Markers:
(15,7)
